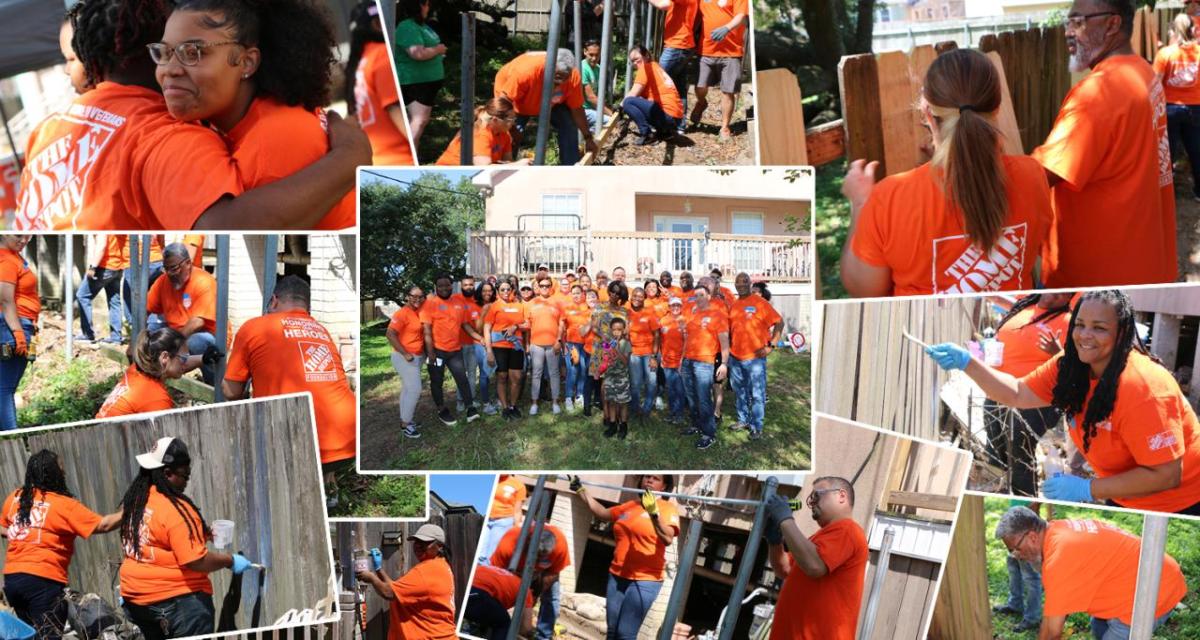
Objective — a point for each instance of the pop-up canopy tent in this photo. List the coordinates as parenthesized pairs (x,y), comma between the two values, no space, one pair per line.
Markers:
(29,31)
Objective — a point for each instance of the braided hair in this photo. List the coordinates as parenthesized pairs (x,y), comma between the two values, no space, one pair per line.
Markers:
(138,493)
(42,473)
(1029,301)
(1074,376)
(111,34)
(362,31)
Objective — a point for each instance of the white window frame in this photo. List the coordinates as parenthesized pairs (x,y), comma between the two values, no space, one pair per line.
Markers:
(762,222)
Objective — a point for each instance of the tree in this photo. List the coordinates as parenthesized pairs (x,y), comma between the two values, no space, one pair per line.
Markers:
(412,233)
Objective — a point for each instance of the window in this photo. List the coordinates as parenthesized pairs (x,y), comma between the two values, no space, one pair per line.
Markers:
(748,255)
(885,14)
(747,223)
(556,209)
(560,212)
(679,254)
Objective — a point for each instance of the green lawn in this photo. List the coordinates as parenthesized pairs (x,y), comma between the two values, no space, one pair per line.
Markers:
(571,441)
(372,496)
(1182,536)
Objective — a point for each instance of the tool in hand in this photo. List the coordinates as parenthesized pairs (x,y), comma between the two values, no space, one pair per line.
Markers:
(913,338)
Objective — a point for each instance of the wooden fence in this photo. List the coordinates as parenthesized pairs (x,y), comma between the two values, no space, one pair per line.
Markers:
(963,607)
(254,463)
(1035,67)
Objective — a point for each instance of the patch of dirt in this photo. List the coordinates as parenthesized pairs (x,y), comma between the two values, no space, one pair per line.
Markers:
(700,145)
(1187,228)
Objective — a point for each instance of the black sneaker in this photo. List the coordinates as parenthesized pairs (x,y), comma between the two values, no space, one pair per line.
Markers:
(705,442)
(446,417)
(411,431)
(622,430)
(755,435)
(690,431)
(472,414)
(611,430)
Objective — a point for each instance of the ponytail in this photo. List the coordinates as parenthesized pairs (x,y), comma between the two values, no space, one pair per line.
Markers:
(144,351)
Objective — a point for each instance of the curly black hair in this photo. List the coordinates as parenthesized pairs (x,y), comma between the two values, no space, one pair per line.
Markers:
(110,34)
(1028,301)
(42,473)
(362,31)
(1074,376)
(619,292)
(138,493)
(296,39)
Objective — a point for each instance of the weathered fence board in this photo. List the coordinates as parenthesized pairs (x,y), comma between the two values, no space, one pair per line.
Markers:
(1034,66)
(781,118)
(963,609)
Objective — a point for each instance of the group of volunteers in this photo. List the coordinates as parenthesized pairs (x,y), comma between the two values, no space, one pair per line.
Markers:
(1126,413)
(655,98)
(164,583)
(612,343)
(975,219)
(238,88)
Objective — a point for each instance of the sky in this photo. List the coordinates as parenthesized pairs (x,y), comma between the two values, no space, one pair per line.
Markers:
(408,175)
(475,490)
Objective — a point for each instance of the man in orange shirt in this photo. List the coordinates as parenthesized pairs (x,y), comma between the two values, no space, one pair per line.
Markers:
(1087,566)
(546,329)
(470,339)
(552,558)
(288,351)
(108,256)
(521,81)
(823,581)
(643,364)
(186,301)
(721,51)
(705,335)
(679,43)
(755,328)
(1108,161)
(668,290)
(444,321)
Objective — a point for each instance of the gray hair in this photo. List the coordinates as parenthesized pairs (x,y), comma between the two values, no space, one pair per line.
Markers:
(176,250)
(708,284)
(1017,521)
(564,62)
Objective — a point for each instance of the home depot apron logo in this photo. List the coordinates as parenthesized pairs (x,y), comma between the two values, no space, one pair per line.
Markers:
(318,362)
(1162,440)
(971,270)
(145,551)
(1183,74)
(1158,104)
(115,394)
(58,175)
(31,533)
(362,96)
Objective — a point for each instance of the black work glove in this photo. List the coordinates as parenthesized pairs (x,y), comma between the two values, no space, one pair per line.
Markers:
(212,354)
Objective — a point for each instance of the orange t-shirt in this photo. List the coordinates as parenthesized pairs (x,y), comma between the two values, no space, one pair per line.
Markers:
(672,341)
(909,226)
(1109,145)
(502,315)
(750,322)
(136,393)
(471,314)
(521,81)
(45,546)
(159,570)
(155,249)
(15,270)
(197,299)
(643,325)
(674,291)
(842,546)
(501,584)
(485,142)
(506,501)
(1151,423)
(576,316)
(111,161)
(115,255)
(290,352)
(660,89)
(544,317)
(424,604)
(560,557)
(640,555)
(1091,566)
(1020,336)
(1179,66)
(703,327)
(374,91)
(716,13)
(678,25)
(273,141)
(445,318)
(407,325)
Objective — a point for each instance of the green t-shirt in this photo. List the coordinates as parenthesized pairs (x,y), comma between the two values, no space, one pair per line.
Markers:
(409,71)
(591,78)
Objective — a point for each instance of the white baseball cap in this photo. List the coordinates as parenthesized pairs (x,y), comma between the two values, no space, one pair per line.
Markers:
(167,451)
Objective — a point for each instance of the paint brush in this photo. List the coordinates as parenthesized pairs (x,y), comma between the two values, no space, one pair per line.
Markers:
(911,337)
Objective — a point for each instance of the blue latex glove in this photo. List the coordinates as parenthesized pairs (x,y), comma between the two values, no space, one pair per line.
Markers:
(949,356)
(240,564)
(1068,487)
(719,34)
(376,558)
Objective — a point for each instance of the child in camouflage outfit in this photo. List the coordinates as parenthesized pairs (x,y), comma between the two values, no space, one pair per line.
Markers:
(615,369)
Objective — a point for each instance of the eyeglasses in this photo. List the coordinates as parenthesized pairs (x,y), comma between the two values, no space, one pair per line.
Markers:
(1075,22)
(183,359)
(543,286)
(816,494)
(177,267)
(1012,552)
(188,54)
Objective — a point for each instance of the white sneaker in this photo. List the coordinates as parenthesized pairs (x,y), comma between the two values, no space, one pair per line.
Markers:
(570,404)
(658,404)
(533,409)
(554,408)
(489,409)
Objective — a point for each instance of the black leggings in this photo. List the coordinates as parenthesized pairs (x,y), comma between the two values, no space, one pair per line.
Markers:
(486,611)
(38,602)
(437,375)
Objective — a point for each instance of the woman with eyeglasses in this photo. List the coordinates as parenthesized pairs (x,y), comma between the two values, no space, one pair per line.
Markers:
(420,65)
(21,306)
(407,337)
(491,142)
(504,329)
(370,91)
(155,357)
(157,174)
(260,79)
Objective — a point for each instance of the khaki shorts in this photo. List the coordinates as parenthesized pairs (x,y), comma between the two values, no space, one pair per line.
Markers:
(723,72)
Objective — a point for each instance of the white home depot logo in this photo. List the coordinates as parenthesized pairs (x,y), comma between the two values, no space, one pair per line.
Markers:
(318,362)
(37,520)
(1161,440)
(58,174)
(973,269)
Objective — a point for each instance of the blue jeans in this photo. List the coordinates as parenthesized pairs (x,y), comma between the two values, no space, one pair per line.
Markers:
(485,372)
(198,343)
(38,602)
(115,289)
(187,615)
(1183,129)
(11,371)
(649,115)
(548,613)
(642,378)
(675,63)
(1025,590)
(698,382)
(1114,629)
(626,605)
(576,373)
(676,396)
(749,380)
(493,530)
(564,128)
